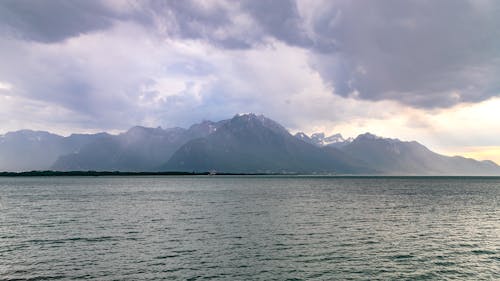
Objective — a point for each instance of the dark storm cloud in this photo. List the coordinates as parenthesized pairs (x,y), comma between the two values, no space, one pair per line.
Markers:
(422,53)
(50,21)
(188,19)
(216,22)
(279,18)
(55,20)
(232,24)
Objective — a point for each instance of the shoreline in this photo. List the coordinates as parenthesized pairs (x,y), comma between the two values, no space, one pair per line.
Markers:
(50,173)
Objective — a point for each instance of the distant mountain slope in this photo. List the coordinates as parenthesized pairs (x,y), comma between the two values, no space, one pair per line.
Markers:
(392,156)
(138,149)
(249,143)
(26,150)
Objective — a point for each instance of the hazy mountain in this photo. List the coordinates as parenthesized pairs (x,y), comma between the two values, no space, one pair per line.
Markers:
(392,156)
(138,149)
(37,150)
(250,143)
(247,143)
(319,139)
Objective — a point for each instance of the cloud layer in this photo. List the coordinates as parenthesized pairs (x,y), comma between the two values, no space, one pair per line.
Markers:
(326,65)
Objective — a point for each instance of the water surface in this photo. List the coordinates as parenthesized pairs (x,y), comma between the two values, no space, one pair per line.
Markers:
(249,228)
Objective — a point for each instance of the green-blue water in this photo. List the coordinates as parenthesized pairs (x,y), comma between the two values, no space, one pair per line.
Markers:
(249,228)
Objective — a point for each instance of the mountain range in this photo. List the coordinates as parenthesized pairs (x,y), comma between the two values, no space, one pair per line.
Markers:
(246,143)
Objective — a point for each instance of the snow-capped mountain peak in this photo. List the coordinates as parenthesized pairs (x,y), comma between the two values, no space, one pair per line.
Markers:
(319,139)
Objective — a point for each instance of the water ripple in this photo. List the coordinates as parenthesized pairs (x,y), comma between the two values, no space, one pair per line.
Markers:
(249,228)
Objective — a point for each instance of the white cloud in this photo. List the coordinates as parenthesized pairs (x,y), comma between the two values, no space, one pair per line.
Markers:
(5,86)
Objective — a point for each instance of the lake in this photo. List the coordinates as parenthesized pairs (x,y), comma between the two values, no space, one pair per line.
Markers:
(249,228)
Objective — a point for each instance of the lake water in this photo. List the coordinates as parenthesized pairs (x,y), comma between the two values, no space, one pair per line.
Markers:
(249,228)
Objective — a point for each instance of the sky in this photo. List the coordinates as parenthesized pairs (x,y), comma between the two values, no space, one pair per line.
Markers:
(415,70)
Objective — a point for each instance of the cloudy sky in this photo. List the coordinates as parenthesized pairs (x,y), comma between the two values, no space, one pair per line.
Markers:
(417,70)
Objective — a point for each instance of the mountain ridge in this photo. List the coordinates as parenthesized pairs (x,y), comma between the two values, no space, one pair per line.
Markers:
(245,143)
(251,143)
